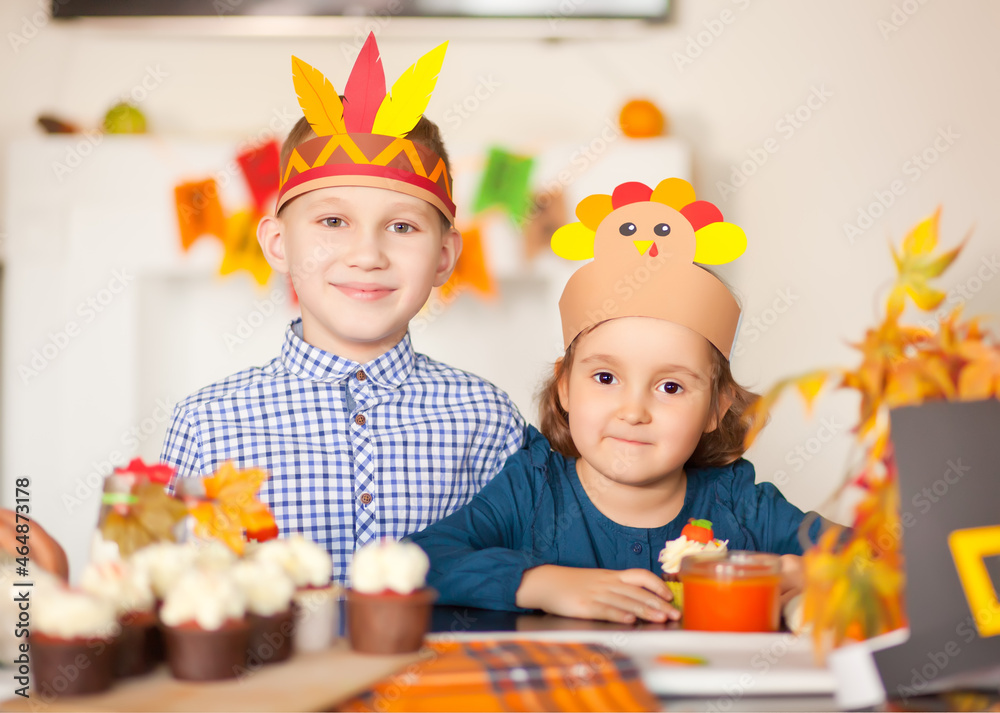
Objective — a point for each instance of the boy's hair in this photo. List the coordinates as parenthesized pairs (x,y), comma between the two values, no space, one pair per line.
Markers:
(716,448)
(426,133)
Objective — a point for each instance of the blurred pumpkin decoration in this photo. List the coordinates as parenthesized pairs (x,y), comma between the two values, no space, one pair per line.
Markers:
(855,586)
(642,119)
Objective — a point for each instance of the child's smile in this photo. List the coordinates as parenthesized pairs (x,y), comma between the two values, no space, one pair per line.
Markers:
(363,261)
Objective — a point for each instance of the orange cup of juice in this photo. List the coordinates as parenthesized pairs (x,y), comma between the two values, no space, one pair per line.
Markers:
(735,591)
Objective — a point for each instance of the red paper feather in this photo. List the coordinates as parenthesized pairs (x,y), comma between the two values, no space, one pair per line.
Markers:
(632,192)
(701,213)
(365,89)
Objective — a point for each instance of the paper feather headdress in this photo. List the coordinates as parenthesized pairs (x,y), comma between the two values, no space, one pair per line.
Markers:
(644,243)
(361,141)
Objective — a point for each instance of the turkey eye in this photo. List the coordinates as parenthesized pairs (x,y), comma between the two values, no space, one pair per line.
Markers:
(627,229)
(662,229)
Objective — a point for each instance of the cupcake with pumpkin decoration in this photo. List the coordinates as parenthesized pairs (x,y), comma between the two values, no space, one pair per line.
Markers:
(696,537)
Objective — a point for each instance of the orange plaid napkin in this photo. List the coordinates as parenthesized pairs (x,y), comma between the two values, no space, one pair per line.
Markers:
(511,676)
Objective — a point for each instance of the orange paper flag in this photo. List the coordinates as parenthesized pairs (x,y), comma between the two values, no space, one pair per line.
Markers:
(199,211)
(471,270)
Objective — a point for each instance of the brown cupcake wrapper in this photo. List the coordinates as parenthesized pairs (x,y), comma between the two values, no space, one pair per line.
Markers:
(194,654)
(389,623)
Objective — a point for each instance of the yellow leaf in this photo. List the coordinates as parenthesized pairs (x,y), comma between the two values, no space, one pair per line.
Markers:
(924,237)
(810,385)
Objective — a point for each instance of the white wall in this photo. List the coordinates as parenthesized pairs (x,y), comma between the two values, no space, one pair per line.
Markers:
(883,84)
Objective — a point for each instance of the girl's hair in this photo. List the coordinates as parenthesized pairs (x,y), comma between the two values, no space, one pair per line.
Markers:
(426,133)
(716,448)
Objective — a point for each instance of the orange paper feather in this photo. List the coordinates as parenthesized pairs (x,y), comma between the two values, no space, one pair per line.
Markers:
(319,100)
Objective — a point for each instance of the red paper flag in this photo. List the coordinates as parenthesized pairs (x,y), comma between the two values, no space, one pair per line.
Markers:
(260,168)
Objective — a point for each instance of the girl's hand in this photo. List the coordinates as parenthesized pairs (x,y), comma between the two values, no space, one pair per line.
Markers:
(612,595)
(45,551)
(792,577)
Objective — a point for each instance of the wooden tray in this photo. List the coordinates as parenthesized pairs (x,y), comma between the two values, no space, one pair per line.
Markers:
(306,682)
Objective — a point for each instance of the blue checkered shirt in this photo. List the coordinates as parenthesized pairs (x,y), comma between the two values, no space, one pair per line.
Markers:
(356,452)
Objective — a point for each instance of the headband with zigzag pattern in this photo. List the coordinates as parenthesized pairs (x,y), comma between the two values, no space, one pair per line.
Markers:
(361,141)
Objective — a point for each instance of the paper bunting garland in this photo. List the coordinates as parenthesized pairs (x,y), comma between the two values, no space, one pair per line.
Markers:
(199,211)
(505,184)
(242,251)
(471,270)
(262,173)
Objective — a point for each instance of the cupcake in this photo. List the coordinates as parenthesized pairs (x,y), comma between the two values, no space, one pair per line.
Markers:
(205,626)
(316,600)
(72,642)
(164,563)
(128,590)
(696,538)
(388,605)
(268,591)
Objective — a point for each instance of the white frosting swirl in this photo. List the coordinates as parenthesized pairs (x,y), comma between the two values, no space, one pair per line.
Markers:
(126,586)
(205,597)
(213,554)
(164,562)
(308,564)
(69,614)
(267,587)
(397,566)
(676,550)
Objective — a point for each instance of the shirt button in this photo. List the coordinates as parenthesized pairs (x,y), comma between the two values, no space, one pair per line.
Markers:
(637,548)
(360,419)
(366,498)
(361,376)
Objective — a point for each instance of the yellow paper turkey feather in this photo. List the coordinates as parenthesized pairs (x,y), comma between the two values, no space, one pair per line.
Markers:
(573,242)
(719,243)
(403,106)
(319,100)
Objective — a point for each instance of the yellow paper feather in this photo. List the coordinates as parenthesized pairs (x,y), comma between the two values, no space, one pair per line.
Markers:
(573,242)
(403,106)
(719,243)
(319,100)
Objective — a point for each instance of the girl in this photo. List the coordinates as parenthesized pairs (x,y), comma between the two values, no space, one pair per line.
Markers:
(642,429)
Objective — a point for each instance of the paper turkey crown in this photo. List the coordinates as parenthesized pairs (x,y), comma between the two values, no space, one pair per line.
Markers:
(644,243)
(361,141)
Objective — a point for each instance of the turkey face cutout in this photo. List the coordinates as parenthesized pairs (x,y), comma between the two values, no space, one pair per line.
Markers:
(646,244)
(648,229)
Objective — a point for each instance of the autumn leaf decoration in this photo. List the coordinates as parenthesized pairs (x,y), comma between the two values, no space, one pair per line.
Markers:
(854,586)
(232,508)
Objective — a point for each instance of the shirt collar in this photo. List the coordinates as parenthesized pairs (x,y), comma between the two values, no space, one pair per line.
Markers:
(314,364)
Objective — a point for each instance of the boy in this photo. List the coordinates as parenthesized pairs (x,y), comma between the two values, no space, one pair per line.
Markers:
(363,438)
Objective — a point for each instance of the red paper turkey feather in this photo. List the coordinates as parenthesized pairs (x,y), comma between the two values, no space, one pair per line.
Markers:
(632,192)
(701,213)
(365,89)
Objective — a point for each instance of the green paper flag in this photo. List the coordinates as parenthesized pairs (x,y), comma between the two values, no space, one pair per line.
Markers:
(505,184)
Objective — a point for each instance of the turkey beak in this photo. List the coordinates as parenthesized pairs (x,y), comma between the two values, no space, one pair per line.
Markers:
(642,245)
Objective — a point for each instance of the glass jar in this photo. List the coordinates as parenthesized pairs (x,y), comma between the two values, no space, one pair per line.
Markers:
(737,591)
